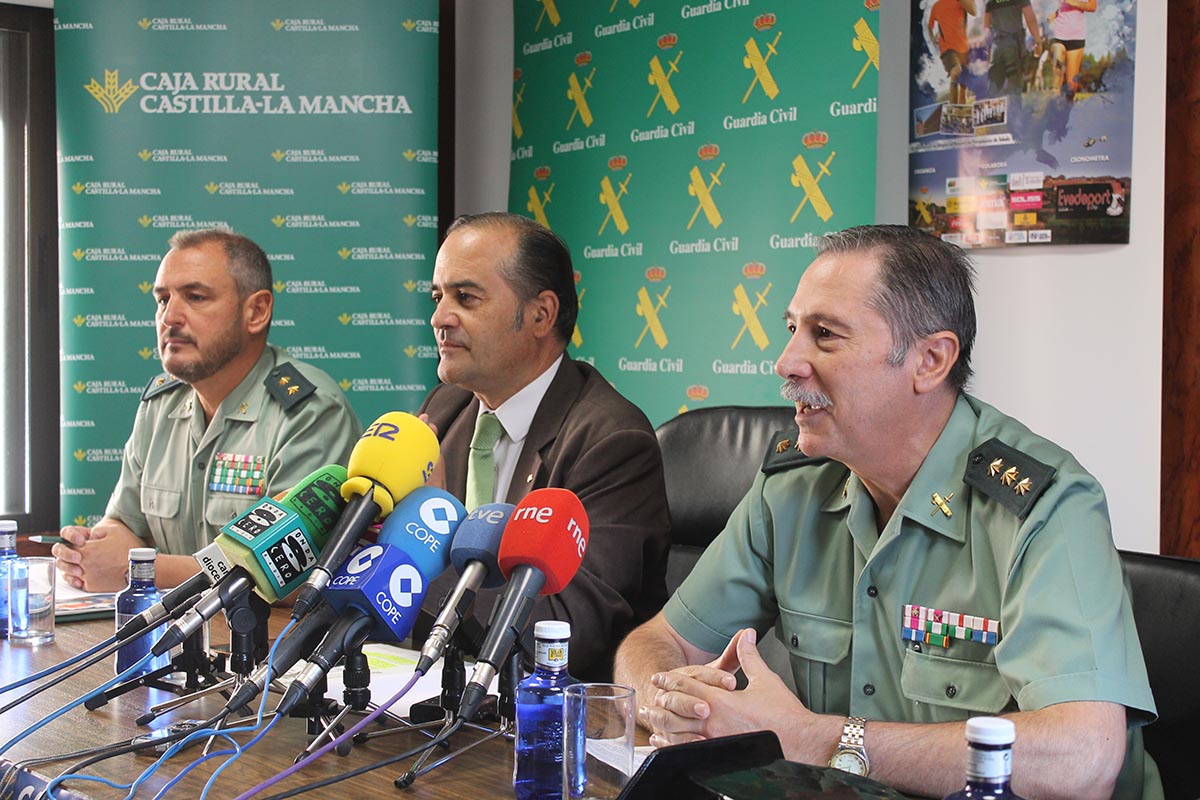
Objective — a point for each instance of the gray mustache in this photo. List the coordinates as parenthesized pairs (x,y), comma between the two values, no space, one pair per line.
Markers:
(795,393)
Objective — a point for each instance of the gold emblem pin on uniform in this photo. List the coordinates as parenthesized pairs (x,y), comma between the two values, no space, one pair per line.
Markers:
(1023,487)
(243,408)
(941,504)
(994,467)
(285,380)
(1009,476)
(783,445)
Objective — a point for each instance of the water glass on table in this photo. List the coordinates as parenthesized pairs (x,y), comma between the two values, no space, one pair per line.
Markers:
(30,593)
(598,731)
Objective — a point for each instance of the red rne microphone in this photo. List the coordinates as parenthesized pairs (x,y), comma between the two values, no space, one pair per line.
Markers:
(543,546)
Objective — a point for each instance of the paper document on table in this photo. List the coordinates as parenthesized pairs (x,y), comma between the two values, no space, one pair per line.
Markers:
(391,668)
(612,753)
(72,603)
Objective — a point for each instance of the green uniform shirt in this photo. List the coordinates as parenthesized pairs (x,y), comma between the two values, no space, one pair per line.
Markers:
(181,481)
(802,552)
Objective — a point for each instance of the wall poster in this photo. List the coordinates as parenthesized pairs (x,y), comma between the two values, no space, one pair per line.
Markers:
(1021,120)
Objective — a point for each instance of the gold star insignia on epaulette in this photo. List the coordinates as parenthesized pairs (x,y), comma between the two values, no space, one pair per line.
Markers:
(242,410)
(1009,476)
(1023,487)
(160,381)
(292,390)
(941,504)
(783,445)
(994,467)
(796,446)
(285,380)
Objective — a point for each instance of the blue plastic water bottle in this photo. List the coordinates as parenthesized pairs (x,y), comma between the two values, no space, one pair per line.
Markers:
(989,760)
(133,600)
(538,767)
(8,551)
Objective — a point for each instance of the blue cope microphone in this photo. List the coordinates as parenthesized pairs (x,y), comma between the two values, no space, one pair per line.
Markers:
(378,592)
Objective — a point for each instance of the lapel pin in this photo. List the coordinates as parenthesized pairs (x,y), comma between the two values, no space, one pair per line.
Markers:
(941,504)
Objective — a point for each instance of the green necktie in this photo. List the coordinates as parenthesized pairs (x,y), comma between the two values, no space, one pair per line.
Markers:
(481,464)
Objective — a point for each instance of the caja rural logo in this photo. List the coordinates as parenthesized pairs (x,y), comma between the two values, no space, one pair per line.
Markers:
(113,94)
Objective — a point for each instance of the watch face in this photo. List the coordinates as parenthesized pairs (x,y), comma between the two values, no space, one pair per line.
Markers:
(849,761)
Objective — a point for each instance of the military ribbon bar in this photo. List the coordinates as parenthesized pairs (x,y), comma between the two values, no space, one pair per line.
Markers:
(937,627)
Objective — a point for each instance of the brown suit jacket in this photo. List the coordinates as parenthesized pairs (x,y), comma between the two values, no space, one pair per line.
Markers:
(587,438)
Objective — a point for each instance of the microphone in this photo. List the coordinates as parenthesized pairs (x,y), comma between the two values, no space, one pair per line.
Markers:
(287,653)
(395,455)
(474,556)
(377,594)
(277,542)
(156,613)
(541,551)
(271,548)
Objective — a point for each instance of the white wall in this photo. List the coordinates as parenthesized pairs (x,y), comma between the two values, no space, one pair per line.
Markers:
(1070,337)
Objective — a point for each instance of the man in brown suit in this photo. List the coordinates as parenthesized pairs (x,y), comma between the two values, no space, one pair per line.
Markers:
(505,308)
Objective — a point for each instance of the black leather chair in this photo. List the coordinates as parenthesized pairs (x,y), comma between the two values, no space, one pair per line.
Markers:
(710,458)
(1166,602)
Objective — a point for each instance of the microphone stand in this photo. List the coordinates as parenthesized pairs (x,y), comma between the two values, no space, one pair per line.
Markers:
(356,695)
(246,615)
(506,714)
(201,671)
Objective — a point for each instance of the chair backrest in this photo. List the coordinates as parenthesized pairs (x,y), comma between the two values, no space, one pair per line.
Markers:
(1166,602)
(710,458)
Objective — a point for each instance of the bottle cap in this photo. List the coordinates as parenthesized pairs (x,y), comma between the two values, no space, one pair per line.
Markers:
(991,730)
(141,553)
(8,526)
(552,629)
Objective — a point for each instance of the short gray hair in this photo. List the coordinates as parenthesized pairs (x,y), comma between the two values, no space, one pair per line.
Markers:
(248,264)
(925,286)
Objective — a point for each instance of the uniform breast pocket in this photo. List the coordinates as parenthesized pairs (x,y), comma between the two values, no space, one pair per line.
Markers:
(816,645)
(221,509)
(159,504)
(951,688)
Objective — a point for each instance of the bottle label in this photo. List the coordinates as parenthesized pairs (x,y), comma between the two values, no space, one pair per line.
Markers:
(141,570)
(551,653)
(8,541)
(988,765)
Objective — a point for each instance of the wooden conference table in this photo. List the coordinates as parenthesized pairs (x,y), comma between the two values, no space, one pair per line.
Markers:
(482,772)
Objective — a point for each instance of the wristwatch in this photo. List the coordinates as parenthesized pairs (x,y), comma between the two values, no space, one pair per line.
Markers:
(851,753)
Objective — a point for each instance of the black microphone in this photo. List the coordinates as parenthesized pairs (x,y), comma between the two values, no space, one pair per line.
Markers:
(295,646)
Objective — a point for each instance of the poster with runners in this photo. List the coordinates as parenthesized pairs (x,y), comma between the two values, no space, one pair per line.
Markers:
(1022,120)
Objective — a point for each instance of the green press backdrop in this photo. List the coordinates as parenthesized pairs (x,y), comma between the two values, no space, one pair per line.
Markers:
(690,153)
(309,126)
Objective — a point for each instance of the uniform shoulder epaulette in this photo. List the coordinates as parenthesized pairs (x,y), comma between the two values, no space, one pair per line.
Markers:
(160,384)
(288,386)
(784,453)
(1012,478)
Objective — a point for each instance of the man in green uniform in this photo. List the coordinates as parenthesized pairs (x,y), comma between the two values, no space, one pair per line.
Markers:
(923,557)
(232,420)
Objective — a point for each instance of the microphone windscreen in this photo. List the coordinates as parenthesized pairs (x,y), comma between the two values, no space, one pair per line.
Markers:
(423,525)
(398,452)
(478,539)
(385,582)
(549,532)
(318,498)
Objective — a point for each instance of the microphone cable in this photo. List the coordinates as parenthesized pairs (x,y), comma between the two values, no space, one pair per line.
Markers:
(104,687)
(181,740)
(94,654)
(345,737)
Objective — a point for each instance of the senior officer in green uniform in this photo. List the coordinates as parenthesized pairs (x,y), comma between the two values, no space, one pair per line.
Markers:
(924,558)
(232,420)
